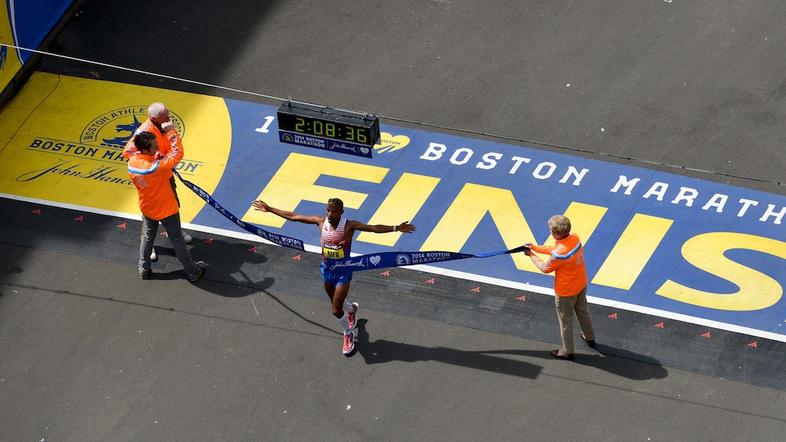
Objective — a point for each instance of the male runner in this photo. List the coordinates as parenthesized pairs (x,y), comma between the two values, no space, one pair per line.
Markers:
(336,243)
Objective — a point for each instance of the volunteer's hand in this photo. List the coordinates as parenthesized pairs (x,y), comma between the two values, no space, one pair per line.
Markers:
(527,250)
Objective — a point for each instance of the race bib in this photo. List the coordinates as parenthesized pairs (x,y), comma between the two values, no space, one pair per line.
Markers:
(332,252)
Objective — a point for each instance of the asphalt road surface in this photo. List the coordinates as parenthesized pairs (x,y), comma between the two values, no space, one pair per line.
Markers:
(88,351)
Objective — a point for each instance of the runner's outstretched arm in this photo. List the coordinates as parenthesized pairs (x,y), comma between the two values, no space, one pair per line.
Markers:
(286,214)
(405,227)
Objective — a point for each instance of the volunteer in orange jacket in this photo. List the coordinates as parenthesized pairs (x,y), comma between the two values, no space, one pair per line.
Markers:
(157,114)
(150,171)
(566,260)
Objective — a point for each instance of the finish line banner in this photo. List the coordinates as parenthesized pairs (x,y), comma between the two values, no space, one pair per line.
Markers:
(654,242)
(374,261)
(281,240)
(365,262)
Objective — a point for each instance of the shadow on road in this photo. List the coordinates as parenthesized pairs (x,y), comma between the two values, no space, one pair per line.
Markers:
(382,351)
(613,360)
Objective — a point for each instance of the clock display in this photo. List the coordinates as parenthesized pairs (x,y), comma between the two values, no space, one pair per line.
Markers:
(326,123)
(325,128)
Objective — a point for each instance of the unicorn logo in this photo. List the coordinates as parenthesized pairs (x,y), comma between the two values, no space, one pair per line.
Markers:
(402,259)
(121,141)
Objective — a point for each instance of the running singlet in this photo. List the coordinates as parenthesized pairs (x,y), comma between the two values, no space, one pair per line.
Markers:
(333,244)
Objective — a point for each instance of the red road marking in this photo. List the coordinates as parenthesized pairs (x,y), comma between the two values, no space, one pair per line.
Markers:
(613,316)
(79,218)
(253,249)
(165,234)
(753,344)
(37,211)
(208,241)
(386,273)
(660,325)
(475,290)
(431,281)
(296,258)
(707,334)
(122,226)
(522,298)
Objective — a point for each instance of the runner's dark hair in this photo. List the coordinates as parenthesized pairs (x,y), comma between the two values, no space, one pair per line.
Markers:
(338,202)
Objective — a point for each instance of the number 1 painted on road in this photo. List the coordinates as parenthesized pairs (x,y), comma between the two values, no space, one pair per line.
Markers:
(269,119)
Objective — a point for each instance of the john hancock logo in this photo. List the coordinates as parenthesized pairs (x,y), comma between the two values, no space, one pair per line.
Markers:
(389,143)
(116,127)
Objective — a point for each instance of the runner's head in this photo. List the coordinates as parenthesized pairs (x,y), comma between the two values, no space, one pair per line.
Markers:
(335,208)
(560,226)
(158,113)
(146,143)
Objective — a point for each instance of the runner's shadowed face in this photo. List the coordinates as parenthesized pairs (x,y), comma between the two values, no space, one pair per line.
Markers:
(334,212)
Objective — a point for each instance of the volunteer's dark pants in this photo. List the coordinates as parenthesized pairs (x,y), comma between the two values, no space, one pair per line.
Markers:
(174,231)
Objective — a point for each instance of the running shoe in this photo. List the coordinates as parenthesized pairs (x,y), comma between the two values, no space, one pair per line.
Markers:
(349,344)
(351,316)
(153,256)
(187,238)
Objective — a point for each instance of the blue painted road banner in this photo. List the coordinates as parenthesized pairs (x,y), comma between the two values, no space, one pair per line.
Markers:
(655,242)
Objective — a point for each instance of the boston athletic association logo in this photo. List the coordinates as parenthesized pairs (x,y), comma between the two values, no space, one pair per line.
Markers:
(116,127)
(97,156)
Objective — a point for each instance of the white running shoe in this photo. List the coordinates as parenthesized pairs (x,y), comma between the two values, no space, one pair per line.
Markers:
(153,256)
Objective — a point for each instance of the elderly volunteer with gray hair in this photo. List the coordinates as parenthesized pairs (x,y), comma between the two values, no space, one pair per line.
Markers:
(566,260)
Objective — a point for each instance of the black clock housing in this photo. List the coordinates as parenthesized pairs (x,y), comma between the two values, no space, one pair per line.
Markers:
(324,122)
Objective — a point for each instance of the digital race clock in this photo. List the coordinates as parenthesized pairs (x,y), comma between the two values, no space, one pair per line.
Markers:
(325,128)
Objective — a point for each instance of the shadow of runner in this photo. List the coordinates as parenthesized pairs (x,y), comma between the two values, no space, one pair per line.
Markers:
(232,271)
(9,269)
(382,351)
(613,360)
(301,317)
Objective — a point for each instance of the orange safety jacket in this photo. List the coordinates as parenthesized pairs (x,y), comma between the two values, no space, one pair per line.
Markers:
(567,263)
(151,176)
(149,126)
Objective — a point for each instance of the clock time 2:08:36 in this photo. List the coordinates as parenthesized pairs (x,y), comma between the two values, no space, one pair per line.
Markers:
(331,130)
